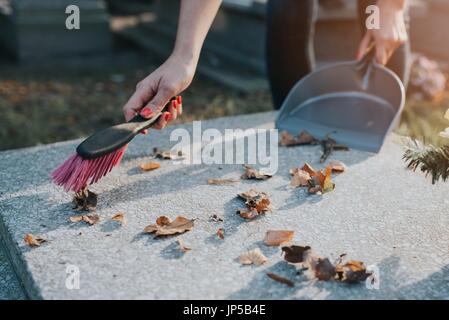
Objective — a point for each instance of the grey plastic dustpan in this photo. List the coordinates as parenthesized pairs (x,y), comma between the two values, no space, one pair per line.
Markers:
(358,103)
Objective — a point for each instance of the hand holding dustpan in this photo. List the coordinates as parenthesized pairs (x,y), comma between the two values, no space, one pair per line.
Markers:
(359,102)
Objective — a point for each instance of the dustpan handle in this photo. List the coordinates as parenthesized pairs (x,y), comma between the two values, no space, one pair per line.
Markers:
(367,60)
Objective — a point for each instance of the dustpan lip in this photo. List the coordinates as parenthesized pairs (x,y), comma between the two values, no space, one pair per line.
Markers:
(382,68)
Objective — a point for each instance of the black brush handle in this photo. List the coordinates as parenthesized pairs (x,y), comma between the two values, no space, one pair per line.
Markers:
(113,138)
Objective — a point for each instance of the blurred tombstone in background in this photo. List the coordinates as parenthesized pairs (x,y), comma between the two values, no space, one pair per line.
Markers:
(33,29)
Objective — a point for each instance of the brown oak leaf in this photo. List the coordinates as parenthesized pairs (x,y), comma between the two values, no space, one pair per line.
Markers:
(91,218)
(251,173)
(119,217)
(165,227)
(276,238)
(280,279)
(33,241)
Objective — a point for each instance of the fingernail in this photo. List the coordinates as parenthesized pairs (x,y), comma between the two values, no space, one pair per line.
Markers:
(167,117)
(146,112)
(179,100)
(174,104)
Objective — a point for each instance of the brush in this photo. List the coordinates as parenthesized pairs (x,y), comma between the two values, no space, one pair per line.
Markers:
(97,155)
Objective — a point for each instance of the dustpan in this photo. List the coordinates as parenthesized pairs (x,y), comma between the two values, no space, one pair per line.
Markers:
(357,103)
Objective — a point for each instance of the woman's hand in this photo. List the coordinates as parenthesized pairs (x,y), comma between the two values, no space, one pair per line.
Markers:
(156,90)
(391,34)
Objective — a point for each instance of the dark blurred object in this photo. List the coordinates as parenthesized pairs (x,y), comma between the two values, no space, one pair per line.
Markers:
(8,37)
(427,80)
(37,29)
(332,4)
(129,7)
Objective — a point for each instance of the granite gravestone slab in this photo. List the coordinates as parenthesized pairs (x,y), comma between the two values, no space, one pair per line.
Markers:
(379,213)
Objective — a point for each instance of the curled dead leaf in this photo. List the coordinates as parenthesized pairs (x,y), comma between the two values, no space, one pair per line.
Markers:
(149,166)
(352,272)
(221,233)
(337,166)
(300,178)
(294,253)
(33,241)
(254,256)
(219,182)
(84,200)
(280,279)
(276,238)
(251,173)
(91,218)
(216,218)
(304,138)
(165,227)
(182,246)
(167,155)
(257,203)
(119,217)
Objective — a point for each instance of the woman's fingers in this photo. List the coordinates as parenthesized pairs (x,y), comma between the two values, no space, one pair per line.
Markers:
(162,121)
(179,105)
(364,45)
(172,108)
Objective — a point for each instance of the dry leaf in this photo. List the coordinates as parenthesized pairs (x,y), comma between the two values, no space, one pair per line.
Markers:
(329,145)
(119,217)
(300,178)
(33,241)
(280,279)
(304,138)
(353,271)
(309,169)
(182,246)
(257,203)
(254,256)
(167,155)
(295,254)
(221,181)
(324,270)
(251,173)
(275,238)
(165,227)
(337,166)
(85,200)
(327,184)
(91,218)
(216,218)
(247,214)
(149,166)
(220,233)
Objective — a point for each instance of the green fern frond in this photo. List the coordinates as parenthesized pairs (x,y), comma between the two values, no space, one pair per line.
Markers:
(429,159)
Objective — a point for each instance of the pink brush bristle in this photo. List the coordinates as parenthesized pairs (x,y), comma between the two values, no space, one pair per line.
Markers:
(76,173)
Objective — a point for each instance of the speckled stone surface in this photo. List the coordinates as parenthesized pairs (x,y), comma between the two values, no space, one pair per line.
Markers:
(10,288)
(379,213)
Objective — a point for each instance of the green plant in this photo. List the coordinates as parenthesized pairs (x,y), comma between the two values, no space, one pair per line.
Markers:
(429,159)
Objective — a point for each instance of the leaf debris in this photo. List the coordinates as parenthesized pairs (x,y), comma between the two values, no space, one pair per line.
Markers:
(33,241)
(85,200)
(253,174)
(216,218)
(304,138)
(221,233)
(254,256)
(280,279)
(167,155)
(257,203)
(165,227)
(91,218)
(219,182)
(120,217)
(275,238)
(321,267)
(149,166)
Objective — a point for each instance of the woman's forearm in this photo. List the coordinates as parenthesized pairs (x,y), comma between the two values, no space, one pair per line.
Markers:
(195,19)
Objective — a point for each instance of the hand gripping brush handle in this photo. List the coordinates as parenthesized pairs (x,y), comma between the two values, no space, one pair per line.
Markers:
(99,153)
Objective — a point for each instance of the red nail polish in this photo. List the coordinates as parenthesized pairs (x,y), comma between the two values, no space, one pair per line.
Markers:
(174,104)
(167,116)
(146,112)
(179,100)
